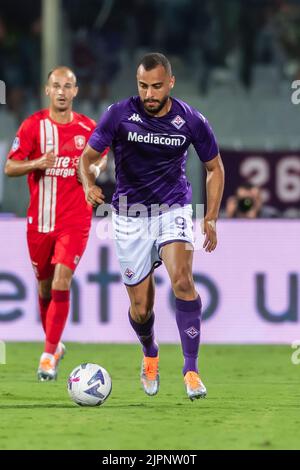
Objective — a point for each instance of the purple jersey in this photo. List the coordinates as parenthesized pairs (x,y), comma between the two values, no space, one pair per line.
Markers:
(150,152)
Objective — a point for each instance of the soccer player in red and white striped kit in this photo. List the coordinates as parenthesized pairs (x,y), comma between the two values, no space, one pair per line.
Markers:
(47,148)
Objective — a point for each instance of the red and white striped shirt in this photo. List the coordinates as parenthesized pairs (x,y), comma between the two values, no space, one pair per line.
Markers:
(56,197)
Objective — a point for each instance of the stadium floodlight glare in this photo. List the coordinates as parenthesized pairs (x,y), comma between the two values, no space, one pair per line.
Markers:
(2,92)
(2,353)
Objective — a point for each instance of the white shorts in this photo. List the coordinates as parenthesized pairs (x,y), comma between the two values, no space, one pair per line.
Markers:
(139,240)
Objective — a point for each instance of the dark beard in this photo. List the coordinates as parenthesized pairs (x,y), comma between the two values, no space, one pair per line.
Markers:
(159,107)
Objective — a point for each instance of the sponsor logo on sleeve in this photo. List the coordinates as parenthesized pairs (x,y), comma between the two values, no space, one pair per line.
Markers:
(16,144)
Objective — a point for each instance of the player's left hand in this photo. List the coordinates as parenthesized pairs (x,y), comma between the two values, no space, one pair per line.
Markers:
(94,196)
(210,232)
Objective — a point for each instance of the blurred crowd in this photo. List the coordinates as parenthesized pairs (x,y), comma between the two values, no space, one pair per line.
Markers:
(101,34)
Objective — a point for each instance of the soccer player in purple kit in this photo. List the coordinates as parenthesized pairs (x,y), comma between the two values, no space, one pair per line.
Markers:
(149,135)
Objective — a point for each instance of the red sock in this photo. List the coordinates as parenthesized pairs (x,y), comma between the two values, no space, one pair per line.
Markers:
(44,304)
(56,318)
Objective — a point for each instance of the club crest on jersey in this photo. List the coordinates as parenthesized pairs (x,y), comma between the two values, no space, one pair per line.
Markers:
(135,118)
(178,122)
(16,144)
(79,142)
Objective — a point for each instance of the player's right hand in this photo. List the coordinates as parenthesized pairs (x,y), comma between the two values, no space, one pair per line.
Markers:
(210,232)
(94,196)
(46,161)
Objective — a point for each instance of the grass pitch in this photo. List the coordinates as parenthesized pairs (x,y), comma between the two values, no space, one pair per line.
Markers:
(253,401)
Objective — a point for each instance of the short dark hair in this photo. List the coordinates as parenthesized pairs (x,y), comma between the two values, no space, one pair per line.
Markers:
(61,67)
(153,59)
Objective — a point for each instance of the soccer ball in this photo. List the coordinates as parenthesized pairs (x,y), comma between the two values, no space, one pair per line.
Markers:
(89,385)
